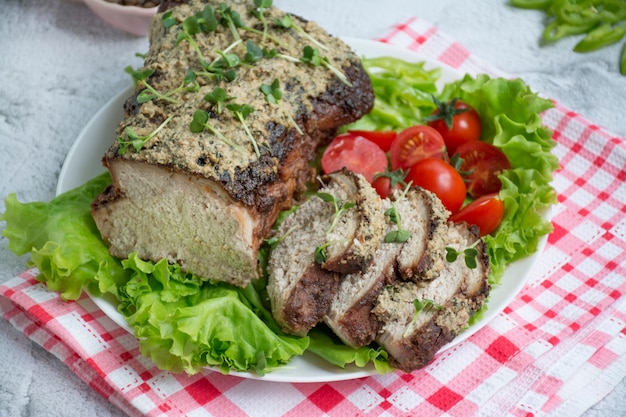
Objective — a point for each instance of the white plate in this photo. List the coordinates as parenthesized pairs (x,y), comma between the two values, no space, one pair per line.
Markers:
(83,163)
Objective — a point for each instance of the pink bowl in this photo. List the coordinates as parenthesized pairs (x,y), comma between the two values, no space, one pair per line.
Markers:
(132,19)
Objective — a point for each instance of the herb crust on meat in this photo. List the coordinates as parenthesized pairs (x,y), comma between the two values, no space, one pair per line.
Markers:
(196,198)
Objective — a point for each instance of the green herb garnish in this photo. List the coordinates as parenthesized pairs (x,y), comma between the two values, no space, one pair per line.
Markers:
(470,254)
(200,123)
(313,57)
(273,94)
(287,22)
(137,141)
(320,251)
(218,97)
(421,305)
(241,112)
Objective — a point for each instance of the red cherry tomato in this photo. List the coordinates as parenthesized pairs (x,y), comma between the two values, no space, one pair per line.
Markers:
(457,122)
(381,138)
(441,178)
(355,153)
(385,182)
(414,144)
(485,212)
(484,162)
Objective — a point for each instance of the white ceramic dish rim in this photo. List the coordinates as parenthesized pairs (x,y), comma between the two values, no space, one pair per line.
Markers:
(83,162)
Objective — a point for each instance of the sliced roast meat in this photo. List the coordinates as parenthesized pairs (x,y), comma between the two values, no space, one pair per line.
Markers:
(350,314)
(299,287)
(424,216)
(356,234)
(420,318)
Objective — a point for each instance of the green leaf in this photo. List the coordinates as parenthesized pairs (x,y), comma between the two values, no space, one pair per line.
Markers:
(168,20)
(139,75)
(311,56)
(319,255)
(64,242)
(218,96)
(338,354)
(199,121)
(208,324)
(253,53)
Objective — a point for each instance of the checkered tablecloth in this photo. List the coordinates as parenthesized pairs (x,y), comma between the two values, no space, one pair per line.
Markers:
(556,350)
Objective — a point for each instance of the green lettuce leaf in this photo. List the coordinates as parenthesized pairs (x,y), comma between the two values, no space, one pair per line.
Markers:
(64,242)
(184,323)
(403,93)
(339,354)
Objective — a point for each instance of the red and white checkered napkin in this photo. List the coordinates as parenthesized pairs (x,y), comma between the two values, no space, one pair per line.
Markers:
(556,350)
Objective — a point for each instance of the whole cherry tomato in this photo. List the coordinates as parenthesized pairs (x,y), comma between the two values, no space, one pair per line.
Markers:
(457,122)
(441,178)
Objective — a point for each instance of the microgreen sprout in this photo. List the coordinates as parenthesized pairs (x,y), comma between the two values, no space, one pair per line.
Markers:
(399,235)
(241,112)
(275,240)
(137,141)
(320,251)
(421,305)
(168,20)
(273,94)
(218,97)
(287,22)
(254,53)
(200,123)
(148,93)
(312,57)
(259,12)
(230,18)
(470,253)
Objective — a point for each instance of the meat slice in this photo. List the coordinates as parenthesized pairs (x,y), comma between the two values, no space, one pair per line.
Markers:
(424,216)
(350,314)
(300,288)
(203,199)
(446,304)
(356,235)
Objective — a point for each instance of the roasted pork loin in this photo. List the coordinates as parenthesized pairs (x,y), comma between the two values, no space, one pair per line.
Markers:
(204,199)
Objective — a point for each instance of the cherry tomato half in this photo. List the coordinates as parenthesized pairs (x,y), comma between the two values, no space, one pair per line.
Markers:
(484,162)
(355,153)
(485,212)
(414,144)
(441,178)
(382,138)
(457,122)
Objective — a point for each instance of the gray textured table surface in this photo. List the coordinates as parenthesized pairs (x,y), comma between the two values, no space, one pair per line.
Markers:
(59,64)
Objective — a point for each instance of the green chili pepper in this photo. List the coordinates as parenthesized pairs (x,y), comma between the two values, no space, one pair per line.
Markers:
(532,4)
(602,21)
(556,30)
(600,37)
